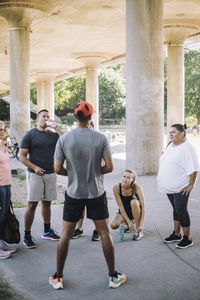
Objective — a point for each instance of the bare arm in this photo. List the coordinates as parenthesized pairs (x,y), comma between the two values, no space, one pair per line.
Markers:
(23,158)
(121,207)
(188,188)
(108,167)
(59,131)
(143,205)
(59,169)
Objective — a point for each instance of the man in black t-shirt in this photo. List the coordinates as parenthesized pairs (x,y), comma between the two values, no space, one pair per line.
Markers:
(37,153)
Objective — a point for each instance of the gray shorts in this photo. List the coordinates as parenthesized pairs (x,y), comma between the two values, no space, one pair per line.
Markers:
(41,187)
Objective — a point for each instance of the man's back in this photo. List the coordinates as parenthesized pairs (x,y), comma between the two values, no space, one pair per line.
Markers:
(83,150)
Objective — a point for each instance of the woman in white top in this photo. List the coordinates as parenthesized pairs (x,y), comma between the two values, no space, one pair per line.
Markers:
(178,167)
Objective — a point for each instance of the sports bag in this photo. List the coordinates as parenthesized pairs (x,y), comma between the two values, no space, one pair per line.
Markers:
(11,234)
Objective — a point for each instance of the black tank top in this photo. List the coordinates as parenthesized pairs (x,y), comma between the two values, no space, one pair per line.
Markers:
(126,202)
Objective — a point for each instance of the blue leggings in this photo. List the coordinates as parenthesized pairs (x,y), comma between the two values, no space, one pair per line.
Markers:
(180,213)
(5,195)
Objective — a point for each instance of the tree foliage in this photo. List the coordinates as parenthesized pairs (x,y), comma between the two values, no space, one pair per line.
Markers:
(192,83)
(112,93)
(68,93)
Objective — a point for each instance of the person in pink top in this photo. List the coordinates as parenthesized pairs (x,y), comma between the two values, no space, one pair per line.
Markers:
(5,190)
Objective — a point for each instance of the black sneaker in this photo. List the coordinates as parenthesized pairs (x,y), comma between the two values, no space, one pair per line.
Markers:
(95,236)
(28,242)
(77,233)
(173,238)
(184,243)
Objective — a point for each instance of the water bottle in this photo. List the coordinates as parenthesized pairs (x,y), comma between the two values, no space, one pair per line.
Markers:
(121,233)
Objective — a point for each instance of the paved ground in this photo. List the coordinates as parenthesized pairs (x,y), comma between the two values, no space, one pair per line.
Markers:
(154,269)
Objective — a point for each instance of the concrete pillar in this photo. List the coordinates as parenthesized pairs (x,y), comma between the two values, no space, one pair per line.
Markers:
(45,95)
(144,73)
(91,62)
(92,92)
(175,84)
(19,18)
(19,80)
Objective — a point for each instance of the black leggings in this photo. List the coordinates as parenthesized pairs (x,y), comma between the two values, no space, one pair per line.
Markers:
(5,195)
(180,213)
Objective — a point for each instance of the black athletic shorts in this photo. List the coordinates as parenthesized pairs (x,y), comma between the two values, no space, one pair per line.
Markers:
(97,208)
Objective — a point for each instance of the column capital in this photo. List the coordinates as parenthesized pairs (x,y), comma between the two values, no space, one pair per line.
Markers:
(91,60)
(45,75)
(175,34)
(19,14)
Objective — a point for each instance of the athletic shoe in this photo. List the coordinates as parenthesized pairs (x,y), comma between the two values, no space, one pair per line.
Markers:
(56,282)
(28,242)
(77,233)
(116,280)
(5,247)
(4,254)
(137,235)
(173,238)
(127,230)
(95,236)
(184,243)
(50,235)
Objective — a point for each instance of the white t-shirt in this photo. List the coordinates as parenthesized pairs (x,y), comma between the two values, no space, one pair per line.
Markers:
(176,164)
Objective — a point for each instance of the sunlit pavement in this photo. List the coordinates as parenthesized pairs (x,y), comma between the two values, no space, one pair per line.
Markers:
(155,271)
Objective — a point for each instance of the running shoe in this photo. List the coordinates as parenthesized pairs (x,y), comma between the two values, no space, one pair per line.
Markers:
(5,247)
(77,233)
(95,236)
(4,254)
(184,243)
(173,238)
(137,236)
(28,242)
(56,282)
(50,235)
(116,280)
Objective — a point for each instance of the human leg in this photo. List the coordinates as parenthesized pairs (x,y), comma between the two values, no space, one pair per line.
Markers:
(175,236)
(180,203)
(29,215)
(118,219)
(49,195)
(177,226)
(107,243)
(136,212)
(72,212)
(5,195)
(78,232)
(63,245)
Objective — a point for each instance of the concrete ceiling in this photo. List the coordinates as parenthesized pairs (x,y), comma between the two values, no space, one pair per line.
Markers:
(65,29)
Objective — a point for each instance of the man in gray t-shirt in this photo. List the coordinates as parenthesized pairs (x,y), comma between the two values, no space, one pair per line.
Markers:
(83,150)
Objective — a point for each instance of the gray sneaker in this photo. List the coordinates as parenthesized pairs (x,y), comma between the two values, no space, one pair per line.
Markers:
(137,235)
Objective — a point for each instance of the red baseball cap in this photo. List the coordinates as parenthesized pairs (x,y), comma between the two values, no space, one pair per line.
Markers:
(83,109)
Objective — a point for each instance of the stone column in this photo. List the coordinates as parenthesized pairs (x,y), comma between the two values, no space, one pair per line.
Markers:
(91,62)
(19,80)
(45,94)
(92,92)
(144,73)
(19,19)
(175,84)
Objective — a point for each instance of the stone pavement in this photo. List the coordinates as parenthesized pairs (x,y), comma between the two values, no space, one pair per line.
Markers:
(155,271)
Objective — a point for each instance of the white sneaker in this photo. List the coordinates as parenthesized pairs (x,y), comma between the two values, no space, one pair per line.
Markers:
(4,254)
(137,235)
(5,247)
(117,280)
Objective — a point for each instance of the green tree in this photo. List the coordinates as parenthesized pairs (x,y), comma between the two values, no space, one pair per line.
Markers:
(112,93)
(192,83)
(68,93)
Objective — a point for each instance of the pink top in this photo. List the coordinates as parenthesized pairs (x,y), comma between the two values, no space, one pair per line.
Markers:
(5,173)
